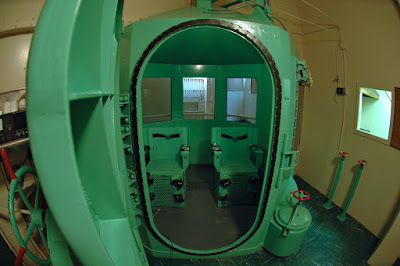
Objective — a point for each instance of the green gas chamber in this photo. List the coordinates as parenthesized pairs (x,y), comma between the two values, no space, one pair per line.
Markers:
(114,131)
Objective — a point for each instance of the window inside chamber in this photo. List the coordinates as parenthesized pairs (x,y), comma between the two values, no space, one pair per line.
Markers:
(156,99)
(241,100)
(198,98)
(375,112)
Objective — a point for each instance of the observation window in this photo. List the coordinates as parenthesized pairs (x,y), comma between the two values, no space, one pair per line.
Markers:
(241,103)
(375,112)
(198,98)
(156,99)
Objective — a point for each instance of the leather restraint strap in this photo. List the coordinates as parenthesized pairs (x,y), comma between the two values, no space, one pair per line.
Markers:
(234,138)
(156,135)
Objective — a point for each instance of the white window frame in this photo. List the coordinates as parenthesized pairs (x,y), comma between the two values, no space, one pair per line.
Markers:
(358,110)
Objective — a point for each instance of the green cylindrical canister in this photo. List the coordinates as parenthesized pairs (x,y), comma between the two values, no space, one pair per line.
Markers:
(287,230)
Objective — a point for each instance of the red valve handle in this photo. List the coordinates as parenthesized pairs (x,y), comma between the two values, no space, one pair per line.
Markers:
(362,162)
(7,163)
(304,192)
(22,250)
(344,154)
(20,256)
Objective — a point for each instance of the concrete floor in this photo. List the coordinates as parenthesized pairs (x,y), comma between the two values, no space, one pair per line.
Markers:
(327,242)
(201,224)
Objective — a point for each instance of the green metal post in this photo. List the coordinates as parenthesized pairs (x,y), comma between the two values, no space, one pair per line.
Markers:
(328,204)
(342,216)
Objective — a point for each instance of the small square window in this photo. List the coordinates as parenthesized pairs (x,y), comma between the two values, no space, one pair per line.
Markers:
(198,98)
(156,99)
(375,112)
(241,103)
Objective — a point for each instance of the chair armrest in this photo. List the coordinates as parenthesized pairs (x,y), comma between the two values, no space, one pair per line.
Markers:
(217,156)
(185,151)
(256,156)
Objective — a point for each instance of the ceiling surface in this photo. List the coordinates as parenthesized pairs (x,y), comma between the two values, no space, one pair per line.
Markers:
(206,46)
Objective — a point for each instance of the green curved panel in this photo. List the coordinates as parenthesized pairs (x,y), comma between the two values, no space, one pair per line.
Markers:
(75,142)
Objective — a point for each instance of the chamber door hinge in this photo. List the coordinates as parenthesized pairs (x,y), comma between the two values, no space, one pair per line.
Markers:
(303,74)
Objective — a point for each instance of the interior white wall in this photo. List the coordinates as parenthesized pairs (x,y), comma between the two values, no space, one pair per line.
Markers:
(240,100)
(157,99)
(250,100)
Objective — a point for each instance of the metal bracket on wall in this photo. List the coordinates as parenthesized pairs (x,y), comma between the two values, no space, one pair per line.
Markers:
(289,161)
(292,158)
(303,74)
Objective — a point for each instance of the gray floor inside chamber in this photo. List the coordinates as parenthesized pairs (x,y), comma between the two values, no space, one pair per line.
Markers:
(201,224)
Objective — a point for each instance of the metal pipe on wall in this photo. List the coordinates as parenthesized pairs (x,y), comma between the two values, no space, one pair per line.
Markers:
(15,32)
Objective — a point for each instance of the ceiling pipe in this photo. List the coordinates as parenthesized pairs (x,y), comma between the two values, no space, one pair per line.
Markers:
(15,32)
